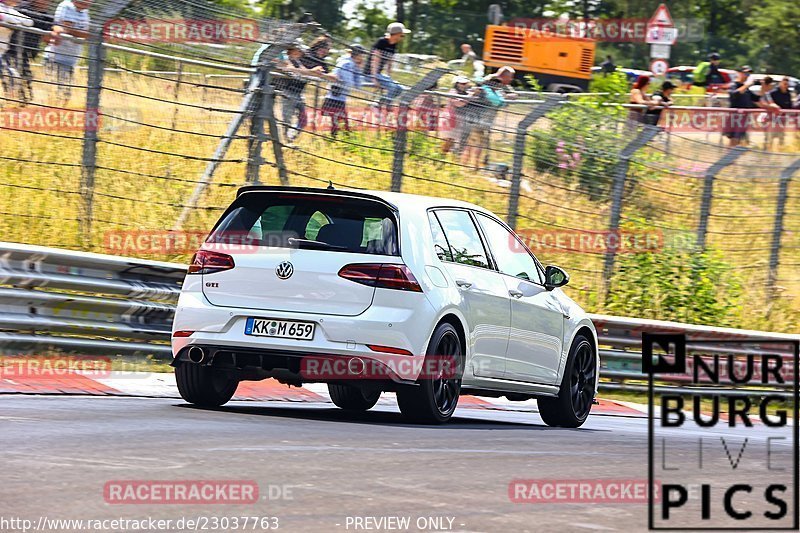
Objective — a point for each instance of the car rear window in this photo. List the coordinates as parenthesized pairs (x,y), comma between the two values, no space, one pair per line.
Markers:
(313,221)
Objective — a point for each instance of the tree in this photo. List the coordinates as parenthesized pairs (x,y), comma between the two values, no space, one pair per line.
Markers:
(775,27)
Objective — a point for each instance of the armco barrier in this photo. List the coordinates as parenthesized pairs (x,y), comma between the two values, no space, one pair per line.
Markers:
(93,303)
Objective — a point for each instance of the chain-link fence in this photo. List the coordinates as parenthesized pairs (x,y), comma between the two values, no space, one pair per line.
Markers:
(168,114)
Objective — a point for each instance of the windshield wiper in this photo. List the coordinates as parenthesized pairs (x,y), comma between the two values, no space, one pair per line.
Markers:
(317,245)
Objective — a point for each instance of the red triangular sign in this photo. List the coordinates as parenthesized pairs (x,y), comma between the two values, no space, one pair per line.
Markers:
(661,17)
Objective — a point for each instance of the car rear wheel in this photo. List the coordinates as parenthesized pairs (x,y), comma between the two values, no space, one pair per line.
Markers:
(204,385)
(352,398)
(574,401)
(435,397)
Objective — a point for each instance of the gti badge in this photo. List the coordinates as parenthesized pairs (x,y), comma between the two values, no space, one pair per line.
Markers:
(284,270)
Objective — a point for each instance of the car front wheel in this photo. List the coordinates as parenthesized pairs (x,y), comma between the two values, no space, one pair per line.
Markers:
(435,397)
(574,401)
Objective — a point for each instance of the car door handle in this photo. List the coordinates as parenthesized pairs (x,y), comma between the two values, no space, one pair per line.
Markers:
(515,293)
(464,284)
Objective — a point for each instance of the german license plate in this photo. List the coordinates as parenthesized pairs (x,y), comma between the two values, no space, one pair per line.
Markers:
(282,329)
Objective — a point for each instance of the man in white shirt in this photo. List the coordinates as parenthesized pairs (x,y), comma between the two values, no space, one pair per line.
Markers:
(73,16)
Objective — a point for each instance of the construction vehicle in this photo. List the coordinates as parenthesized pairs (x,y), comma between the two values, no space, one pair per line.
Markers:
(560,63)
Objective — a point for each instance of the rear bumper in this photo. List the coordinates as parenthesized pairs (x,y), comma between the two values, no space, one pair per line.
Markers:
(300,367)
(338,339)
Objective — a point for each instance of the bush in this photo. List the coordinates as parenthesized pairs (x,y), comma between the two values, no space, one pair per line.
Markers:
(676,284)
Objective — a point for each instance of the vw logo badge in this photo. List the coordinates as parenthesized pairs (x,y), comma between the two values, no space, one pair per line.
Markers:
(284,270)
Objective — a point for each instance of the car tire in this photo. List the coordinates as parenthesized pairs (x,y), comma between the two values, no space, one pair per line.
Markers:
(204,385)
(434,399)
(571,407)
(352,398)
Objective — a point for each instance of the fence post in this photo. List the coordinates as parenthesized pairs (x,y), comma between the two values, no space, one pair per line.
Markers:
(708,191)
(257,137)
(96,59)
(777,230)
(519,152)
(401,137)
(175,94)
(620,175)
(268,110)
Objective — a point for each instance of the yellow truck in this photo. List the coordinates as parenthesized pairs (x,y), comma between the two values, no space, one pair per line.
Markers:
(560,63)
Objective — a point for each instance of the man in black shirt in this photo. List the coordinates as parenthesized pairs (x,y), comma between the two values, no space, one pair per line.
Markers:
(299,66)
(380,61)
(38,10)
(779,99)
(781,95)
(740,97)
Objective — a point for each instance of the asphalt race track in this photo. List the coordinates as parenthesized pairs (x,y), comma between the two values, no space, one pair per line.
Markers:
(323,467)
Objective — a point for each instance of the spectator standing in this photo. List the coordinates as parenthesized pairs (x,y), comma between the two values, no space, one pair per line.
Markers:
(781,99)
(9,15)
(639,99)
(73,17)
(38,12)
(660,100)
(380,62)
(707,73)
(481,109)
(456,104)
(349,76)
(608,66)
(469,57)
(740,97)
(292,88)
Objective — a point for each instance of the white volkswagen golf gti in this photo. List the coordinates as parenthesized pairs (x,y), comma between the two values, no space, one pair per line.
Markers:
(375,291)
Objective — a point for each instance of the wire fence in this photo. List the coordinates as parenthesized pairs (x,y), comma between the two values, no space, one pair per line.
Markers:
(153,137)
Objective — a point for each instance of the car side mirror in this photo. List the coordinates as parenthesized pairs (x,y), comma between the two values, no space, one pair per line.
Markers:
(555,277)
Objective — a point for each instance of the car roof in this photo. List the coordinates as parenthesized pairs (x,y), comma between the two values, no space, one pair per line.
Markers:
(402,201)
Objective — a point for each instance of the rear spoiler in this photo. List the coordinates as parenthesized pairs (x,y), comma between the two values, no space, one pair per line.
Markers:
(314,190)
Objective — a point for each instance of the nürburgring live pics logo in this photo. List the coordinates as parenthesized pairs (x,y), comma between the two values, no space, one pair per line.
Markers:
(723,447)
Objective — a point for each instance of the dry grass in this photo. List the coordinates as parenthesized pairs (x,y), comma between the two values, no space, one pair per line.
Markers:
(146,187)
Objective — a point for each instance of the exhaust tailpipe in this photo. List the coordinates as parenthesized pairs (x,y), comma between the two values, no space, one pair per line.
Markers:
(356,366)
(197,355)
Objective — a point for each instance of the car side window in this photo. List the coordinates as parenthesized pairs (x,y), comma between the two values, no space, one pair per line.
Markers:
(440,244)
(463,237)
(511,256)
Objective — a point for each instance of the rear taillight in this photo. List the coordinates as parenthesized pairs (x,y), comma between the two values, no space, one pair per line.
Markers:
(397,277)
(208,262)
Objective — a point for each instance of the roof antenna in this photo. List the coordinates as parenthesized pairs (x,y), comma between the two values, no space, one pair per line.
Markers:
(330,185)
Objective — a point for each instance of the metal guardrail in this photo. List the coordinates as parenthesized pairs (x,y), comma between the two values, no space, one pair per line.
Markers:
(53,299)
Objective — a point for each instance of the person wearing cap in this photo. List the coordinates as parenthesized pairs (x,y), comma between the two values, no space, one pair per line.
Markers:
(660,99)
(349,76)
(458,99)
(292,88)
(714,76)
(380,62)
(740,97)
